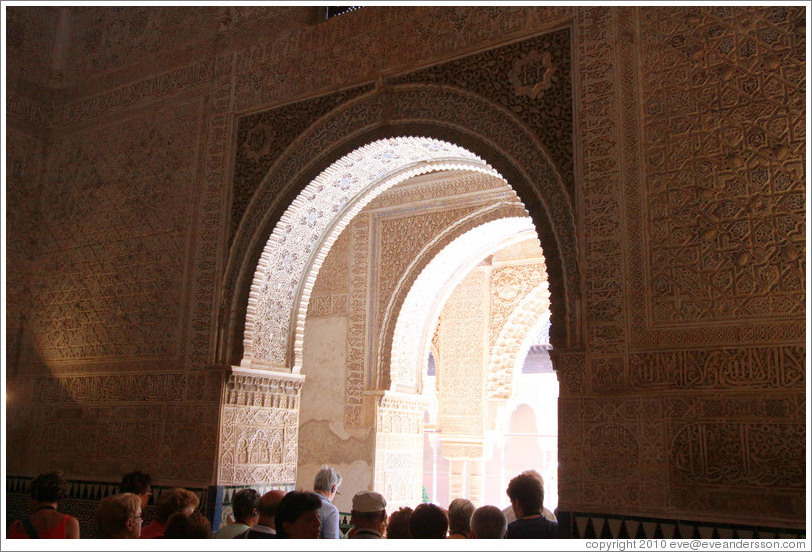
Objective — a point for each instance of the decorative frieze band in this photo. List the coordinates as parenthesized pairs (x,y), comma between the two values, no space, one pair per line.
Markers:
(400,413)
(115,388)
(138,92)
(778,367)
(752,368)
(247,387)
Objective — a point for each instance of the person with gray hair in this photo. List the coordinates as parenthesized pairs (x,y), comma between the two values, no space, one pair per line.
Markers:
(488,522)
(459,518)
(326,485)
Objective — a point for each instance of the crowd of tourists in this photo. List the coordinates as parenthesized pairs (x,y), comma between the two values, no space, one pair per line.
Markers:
(289,515)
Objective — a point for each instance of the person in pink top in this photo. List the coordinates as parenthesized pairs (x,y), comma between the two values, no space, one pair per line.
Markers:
(45,522)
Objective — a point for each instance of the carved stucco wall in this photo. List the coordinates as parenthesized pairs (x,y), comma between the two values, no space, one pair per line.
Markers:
(687,341)
(24,159)
(692,333)
(105,338)
(462,357)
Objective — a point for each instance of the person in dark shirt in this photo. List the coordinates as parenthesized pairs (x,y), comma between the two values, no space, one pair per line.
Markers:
(137,483)
(526,498)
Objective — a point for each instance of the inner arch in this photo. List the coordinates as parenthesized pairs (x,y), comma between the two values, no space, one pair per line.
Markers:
(426,297)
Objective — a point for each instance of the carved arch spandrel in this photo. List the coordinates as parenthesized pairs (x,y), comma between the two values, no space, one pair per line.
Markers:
(482,127)
(401,317)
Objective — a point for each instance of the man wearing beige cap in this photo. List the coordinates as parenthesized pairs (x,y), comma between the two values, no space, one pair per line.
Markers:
(368,515)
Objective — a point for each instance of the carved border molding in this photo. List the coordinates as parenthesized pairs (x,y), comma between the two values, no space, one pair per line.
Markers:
(259,427)
(400,413)
(172,386)
(247,387)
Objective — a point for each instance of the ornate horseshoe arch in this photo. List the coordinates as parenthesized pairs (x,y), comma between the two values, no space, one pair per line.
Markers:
(255,272)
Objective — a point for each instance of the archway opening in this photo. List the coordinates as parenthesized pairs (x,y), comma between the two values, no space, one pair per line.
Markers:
(474,446)
(335,291)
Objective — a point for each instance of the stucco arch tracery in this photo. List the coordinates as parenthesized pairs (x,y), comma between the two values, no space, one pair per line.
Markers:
(290,261)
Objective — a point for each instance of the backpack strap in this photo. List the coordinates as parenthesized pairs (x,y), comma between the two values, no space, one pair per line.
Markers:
(29,528)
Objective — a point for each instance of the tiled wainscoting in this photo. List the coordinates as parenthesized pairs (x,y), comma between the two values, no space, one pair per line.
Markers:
(603,526)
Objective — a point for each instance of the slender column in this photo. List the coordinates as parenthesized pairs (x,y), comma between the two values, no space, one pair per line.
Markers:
(456,479)
(502,468)
(434,454)
(476,481)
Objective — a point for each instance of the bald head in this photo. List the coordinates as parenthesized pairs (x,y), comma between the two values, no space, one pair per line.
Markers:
(267,507)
